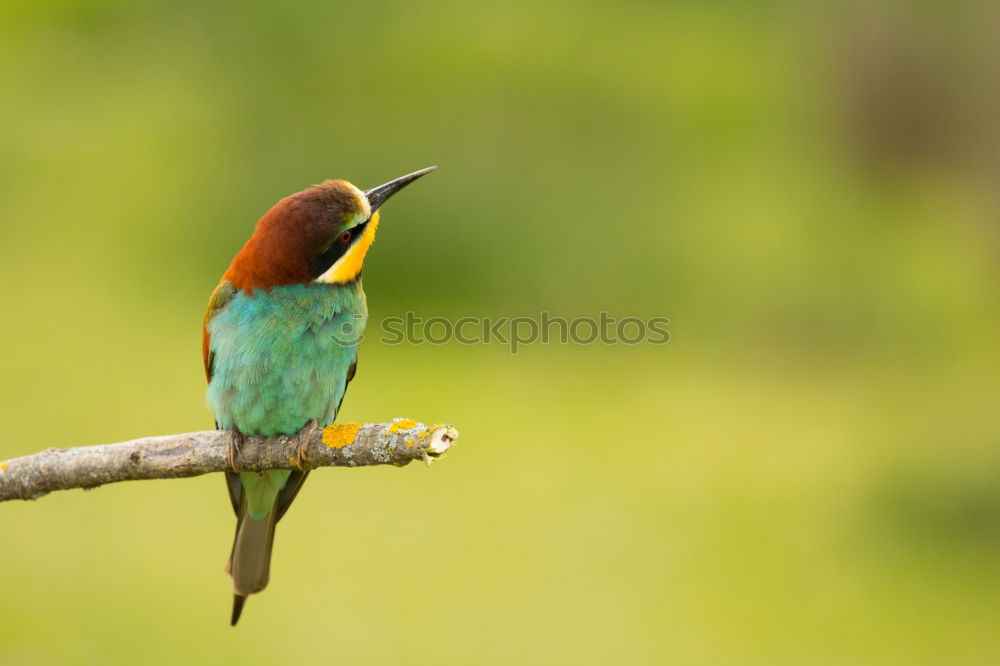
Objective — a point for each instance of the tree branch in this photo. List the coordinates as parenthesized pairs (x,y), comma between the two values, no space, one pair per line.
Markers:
(193,453)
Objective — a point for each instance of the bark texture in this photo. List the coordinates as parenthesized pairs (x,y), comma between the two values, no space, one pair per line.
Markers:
(190,454)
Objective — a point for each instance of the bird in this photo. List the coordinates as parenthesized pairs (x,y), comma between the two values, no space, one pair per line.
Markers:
(280,345)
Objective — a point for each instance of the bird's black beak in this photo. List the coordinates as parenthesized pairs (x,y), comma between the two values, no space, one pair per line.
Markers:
(378,195)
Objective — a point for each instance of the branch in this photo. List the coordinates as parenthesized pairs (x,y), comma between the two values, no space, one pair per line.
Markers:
(190,454)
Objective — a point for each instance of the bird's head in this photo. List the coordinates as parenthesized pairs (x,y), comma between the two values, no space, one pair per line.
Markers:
(321,234)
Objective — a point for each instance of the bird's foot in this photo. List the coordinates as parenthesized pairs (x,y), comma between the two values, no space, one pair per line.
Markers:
(236,440)
(304,436)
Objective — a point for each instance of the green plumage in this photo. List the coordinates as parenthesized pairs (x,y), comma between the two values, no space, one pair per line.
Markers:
(280,358)
(262,489)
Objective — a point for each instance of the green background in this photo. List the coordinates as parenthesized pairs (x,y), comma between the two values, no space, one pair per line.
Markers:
(808,473)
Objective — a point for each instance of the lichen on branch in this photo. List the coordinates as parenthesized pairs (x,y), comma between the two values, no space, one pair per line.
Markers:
(397,442)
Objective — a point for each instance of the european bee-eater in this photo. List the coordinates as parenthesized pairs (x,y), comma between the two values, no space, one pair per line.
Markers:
(279,343)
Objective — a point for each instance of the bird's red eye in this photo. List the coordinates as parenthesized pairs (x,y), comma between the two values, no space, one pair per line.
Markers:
(345,237)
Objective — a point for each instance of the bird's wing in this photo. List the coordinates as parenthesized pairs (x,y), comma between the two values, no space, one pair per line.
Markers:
(347,382)
(223,293)
(219,299)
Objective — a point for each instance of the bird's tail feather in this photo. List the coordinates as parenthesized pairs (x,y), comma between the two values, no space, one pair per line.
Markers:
(238,601)
(250,562)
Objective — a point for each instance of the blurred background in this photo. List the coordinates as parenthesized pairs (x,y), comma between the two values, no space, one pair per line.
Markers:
(808,473)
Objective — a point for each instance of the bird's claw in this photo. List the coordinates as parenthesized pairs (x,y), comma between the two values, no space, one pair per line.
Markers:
(236,440)
(304,436)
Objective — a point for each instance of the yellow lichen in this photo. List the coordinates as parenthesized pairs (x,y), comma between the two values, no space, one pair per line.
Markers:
(409,442)
(402,424)
(3,466)
(423,434)
(339,435)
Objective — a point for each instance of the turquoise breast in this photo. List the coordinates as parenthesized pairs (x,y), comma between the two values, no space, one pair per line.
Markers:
(282,355)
